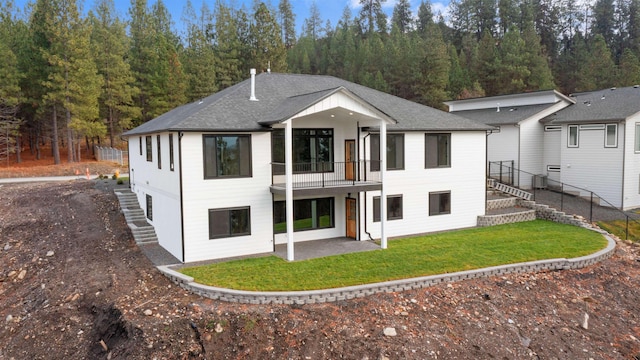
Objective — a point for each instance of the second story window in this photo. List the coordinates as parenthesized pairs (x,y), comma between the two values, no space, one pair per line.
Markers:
(395,152)
(227,156)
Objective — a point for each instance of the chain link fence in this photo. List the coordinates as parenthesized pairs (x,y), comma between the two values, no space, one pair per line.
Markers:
(104,153)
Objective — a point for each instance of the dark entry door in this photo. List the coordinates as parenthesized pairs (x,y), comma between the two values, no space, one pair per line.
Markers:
(350,159)
(351,218)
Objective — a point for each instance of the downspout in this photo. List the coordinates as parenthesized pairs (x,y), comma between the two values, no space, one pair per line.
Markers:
(181,197)
(624,157)
(519,146)
(364,143)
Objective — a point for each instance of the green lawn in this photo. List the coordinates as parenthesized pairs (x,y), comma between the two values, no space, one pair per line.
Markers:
(619,229)
(406,258)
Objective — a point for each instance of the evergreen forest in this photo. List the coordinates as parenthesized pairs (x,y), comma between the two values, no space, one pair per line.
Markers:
(69,81)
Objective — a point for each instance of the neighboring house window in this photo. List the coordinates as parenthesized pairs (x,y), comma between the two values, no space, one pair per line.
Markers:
(637,142)
(171,152)
(308,214)
(437,150)
(148,147)
(573,136)
(159,152)
(312,150)
(140,145)
(439,203)
(394,207)
(395,152)
(611,135)
(149,207)
(229,222)
(227,156)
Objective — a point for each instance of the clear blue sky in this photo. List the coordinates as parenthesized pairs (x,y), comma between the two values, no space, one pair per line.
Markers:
(329,9)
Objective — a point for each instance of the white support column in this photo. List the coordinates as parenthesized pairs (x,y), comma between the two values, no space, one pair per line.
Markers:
(288,170)
(383,192)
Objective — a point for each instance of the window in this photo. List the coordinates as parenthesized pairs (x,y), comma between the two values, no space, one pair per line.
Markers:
(149,154)
(394,207)
(227,156)
(140,145)
(171,152)
(553,128)
(611,135)
(229,222)
(312,150)
(437,151)
(159,152)
(395,152)
(439,203)
(308,214)
(149,207)
(573,136)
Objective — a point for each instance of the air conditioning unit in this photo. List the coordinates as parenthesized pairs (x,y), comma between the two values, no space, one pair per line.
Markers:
(540,181)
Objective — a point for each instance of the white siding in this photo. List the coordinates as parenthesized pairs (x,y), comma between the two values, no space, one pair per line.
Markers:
(593,167)
(465,179)
(531,142)
(632,162)
(503,145)
(162,184)
(200,195)
(551,156)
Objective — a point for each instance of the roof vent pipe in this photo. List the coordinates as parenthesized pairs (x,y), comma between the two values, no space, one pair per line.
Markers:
(253,85)
(498,105)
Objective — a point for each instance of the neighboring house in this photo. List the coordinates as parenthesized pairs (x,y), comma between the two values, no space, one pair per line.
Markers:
(518,137)
(598,143)
(283,158)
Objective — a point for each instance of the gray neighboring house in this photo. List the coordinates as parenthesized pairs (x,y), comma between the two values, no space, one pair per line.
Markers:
(283,158)
(598,143)
(519,139)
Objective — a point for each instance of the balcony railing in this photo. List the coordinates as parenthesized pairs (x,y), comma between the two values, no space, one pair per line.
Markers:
(327,174)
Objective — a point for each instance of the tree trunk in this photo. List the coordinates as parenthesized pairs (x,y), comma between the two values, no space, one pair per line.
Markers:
(70,147)
(18,149)
(111,125)
(54,142)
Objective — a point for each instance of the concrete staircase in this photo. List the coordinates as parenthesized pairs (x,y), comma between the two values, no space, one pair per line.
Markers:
(142,231)
(503,207)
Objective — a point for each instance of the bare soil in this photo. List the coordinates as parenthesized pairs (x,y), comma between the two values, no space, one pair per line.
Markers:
(73,285)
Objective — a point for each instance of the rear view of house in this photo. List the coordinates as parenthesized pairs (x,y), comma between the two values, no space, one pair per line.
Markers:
(283,158)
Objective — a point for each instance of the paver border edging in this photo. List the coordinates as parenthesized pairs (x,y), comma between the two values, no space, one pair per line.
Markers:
(350,292)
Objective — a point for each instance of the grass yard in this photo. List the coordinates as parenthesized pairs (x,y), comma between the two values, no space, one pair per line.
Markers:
(406,258)
(618,228)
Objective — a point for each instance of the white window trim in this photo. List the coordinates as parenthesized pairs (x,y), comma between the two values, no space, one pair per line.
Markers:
(577,144)
(615,137)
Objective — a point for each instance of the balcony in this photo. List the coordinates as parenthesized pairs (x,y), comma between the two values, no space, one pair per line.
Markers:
(330,178)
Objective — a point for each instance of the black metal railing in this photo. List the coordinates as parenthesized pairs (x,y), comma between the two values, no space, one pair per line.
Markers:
(565,197)
(327,174)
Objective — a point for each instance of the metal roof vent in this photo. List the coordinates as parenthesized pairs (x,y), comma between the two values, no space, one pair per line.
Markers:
(636,86)
(613,88)
(498,107)
(253,85)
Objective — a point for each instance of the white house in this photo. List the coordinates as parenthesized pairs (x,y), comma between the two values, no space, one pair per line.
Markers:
(518,135)
(597,141)
(283,158)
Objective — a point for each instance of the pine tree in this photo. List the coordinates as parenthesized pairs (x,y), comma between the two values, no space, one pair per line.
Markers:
(511,72)
(598,71)
(488,63)
(287,23)
(109,46)
(629,73)
(228,47)
(372,17)
(198,56)
(535,59)
(267,47)
(74,83)
(425,17)
(402,17)
(434,71)
(458,76)
(312,27)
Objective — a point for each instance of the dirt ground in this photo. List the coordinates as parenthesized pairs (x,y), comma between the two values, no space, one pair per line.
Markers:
(73,285)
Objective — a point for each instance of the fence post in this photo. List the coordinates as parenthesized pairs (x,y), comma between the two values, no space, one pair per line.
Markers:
(591,209)
(626,235)
(561,196)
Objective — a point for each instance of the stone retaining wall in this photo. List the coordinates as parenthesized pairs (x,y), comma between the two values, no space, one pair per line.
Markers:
(351,292)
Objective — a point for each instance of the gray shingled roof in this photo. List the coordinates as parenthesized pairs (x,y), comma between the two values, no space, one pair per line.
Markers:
(507,115)
(598,106)
(282,95)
